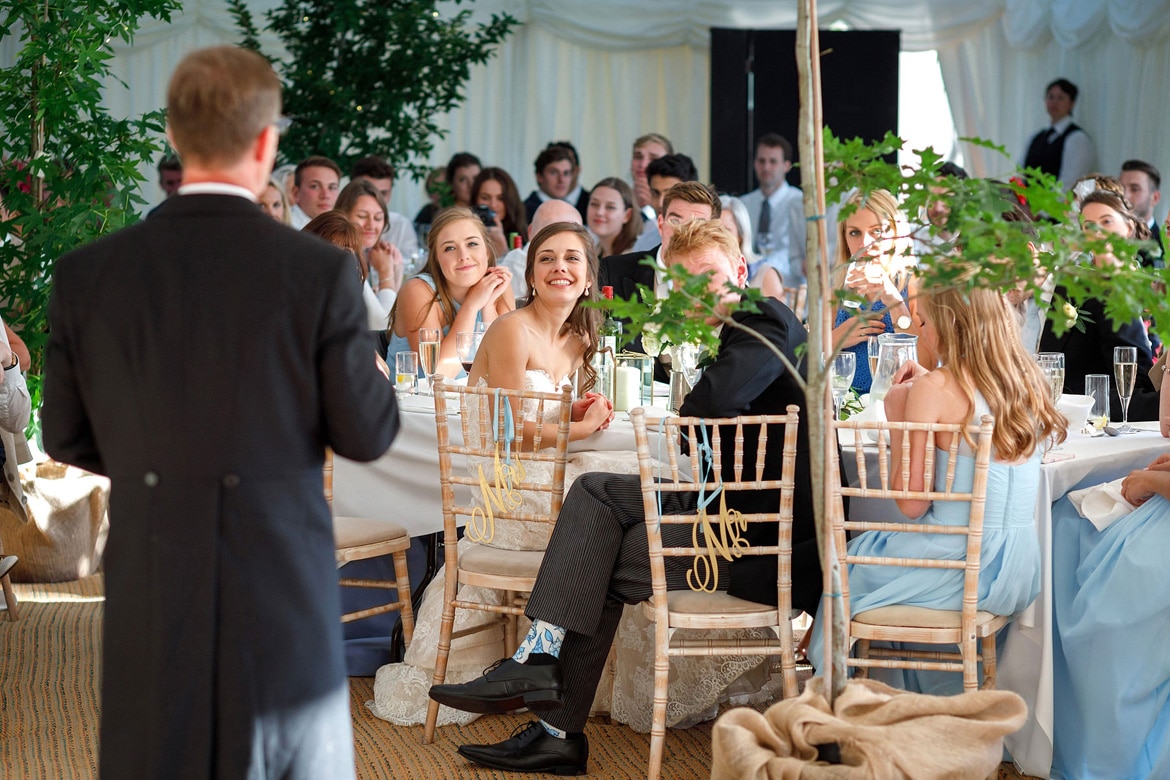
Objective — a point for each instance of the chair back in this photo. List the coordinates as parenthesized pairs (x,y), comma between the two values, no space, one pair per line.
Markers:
(716,533)
(852,436)
(503,434)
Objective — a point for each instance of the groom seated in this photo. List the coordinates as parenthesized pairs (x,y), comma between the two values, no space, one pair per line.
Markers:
(597,559)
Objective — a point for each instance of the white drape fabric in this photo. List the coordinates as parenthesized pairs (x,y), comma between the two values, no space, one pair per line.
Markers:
(601,73)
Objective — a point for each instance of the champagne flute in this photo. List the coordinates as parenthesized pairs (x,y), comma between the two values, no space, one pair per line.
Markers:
(843,367)
(872,347)
(428,354)
(1052,364)
(1124,373)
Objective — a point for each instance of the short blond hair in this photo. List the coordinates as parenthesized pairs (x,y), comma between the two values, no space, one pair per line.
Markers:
(219,99)
(701,235)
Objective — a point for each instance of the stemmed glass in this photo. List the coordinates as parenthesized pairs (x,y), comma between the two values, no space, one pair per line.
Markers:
(428,354)
(1052,365)
(466,345)
(841,373)
(872,348)
(1124,373)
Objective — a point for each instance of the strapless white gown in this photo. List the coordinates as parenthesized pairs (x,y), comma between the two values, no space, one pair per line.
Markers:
(697,685)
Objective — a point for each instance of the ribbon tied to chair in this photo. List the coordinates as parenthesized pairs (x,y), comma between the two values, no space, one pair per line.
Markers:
(500,493)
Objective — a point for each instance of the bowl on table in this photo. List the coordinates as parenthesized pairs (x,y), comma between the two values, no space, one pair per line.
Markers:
(1075,409)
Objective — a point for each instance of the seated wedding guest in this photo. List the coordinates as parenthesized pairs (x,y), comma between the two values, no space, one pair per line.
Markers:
(985,370)
(336,228)
(283,175)
(516,261)
(777,209)
(398,230)
(597,560)
(611,216)
(871,263)
(15,412)
(542,345)
(647,149)
(1063,149)
(1111,607)
(736,219)
(931,235)
(462,169)
(557,172)
(1142,183)
(662,174)
(433,187)
(458,288)
(170,174)
(274,203)
(362,205)
(1088,347)
(316,181)
(494,188)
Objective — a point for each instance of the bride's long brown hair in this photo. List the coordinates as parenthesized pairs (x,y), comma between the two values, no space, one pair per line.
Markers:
(583,321)
(979,342)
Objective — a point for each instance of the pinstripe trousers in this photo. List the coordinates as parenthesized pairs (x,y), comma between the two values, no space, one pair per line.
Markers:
(597,561)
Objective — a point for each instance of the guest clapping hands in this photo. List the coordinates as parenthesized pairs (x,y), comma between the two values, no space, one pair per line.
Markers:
(459,288)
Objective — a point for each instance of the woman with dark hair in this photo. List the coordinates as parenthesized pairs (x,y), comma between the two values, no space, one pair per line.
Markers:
(459,287)
(462,169)
(1088,347)
(494,188)
(611,215)
(362,204)
(336,228)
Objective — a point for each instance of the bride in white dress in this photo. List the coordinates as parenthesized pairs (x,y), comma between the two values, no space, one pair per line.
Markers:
(554,336)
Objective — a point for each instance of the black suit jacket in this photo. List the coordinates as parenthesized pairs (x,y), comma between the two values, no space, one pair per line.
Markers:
(533,201)
(624,273)
(203,359)
(747,378)
(1091,352)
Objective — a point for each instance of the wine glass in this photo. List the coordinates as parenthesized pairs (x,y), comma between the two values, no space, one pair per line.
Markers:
(1052,365)
(841,373)
(428,354)
(466,345)
(872,348)
(1124,374)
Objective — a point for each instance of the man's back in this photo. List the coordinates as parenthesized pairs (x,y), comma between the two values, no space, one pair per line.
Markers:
(203,359)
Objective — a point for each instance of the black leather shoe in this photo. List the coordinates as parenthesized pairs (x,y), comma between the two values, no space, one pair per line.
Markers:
(532,749)
(507,685)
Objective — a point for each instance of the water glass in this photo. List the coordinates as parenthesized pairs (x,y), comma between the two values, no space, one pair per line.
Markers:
(406,372)
(1097,388)
(1125,372)
(894,351)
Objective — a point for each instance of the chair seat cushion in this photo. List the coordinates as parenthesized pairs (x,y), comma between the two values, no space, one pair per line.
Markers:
(717,603)
(918,617)
(480,559)
(360,531)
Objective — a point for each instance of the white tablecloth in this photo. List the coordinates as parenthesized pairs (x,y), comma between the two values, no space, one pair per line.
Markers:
(1025,661)
(403,485)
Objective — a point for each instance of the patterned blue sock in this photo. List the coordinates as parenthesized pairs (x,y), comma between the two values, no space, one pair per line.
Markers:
(554,731)
(542,638)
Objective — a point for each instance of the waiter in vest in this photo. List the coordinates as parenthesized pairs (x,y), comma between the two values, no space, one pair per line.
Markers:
(1063,149)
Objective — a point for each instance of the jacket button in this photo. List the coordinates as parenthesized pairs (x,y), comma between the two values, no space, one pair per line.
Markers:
(151,479)
(231,480)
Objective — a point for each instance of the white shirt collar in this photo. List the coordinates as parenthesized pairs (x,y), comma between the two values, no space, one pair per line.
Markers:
(1063,124)
(774,198)
(217,188)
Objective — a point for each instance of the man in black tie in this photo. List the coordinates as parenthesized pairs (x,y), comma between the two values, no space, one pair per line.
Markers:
(1063,149)
(597,559)
(1142,183)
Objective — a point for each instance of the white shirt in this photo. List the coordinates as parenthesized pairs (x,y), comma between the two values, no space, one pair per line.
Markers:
(217,188)
(298,217)
(400,232)
(517,262)
(787,228)
(1079,157)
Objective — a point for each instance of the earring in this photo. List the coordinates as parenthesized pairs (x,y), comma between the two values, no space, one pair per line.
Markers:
(587,289)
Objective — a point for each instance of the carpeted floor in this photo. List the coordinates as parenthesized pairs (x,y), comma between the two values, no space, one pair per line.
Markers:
(49,716)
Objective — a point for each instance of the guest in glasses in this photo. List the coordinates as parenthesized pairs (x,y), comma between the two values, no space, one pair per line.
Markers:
(460,286)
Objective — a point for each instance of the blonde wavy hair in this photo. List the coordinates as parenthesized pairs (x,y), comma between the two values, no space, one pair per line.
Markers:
(979,342)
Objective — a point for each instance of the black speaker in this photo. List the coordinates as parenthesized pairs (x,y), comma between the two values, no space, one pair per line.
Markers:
(754,90)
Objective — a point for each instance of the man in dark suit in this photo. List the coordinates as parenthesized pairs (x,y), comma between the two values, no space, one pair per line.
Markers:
(597,558)
(625,273)
(1142,183)
(203,360)
(557,172)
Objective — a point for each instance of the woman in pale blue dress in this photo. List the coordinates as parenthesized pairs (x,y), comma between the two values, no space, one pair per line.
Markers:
(985,371)
(1111,649)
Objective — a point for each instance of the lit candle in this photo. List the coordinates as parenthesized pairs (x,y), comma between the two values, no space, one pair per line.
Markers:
(628,390)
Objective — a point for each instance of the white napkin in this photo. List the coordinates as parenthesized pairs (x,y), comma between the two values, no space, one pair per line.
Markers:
(1101,505)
